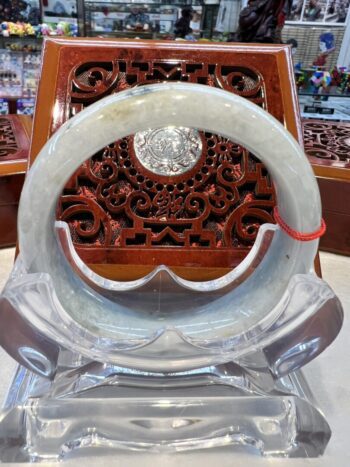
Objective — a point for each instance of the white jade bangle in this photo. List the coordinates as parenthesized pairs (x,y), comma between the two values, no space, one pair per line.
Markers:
(130,318)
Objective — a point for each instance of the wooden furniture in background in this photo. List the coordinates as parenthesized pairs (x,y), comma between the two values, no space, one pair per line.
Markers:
(15,133)
(327,144)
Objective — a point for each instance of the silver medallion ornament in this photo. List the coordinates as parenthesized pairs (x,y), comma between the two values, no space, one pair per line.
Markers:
(168,151)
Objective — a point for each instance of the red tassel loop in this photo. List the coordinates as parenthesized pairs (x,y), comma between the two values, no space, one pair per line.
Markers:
(302,237)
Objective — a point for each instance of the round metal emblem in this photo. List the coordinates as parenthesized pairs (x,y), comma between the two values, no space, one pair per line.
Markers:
(168,151)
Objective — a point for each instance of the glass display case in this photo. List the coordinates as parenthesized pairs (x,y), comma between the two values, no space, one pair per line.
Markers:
(323,94)
(325,106)
(140,19)
(19,76)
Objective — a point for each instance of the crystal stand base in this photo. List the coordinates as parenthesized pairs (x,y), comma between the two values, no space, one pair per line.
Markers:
(79,413)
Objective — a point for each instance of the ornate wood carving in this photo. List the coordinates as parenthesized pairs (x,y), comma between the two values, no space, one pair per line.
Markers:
(14,148)
(8,142)
(327,142)
(14,138)
(220,203)
(263,20)
(127,210)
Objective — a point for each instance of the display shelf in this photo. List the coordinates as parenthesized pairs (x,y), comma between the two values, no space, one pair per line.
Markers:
(19,76)
(338,104)
(322,81)
(21,43)
(126,34)
(323,95)
(146,20)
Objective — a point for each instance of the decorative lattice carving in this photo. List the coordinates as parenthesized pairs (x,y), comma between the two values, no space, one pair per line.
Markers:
(116,200)
(8,142)
(328,141)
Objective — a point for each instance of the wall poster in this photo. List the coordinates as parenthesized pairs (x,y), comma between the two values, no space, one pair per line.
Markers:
(319,12)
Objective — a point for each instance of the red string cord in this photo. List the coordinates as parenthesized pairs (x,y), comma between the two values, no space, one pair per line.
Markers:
(302,237)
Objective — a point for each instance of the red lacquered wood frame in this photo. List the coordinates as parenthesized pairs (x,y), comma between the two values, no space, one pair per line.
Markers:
(77,72)
(15,133)
(327,144)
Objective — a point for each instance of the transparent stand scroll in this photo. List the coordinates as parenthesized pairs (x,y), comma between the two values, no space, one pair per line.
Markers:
(162,363)
(258,400)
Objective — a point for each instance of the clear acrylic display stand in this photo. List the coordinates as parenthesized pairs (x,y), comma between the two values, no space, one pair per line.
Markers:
(162,363)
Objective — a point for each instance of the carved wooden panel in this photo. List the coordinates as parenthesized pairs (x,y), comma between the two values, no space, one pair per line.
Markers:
(116,201)
(327,142)
(327,145)
(14,140)
(122,208)
(14,150)
(8,142)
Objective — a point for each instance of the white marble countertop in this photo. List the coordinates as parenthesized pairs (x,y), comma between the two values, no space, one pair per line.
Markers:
(328,376)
